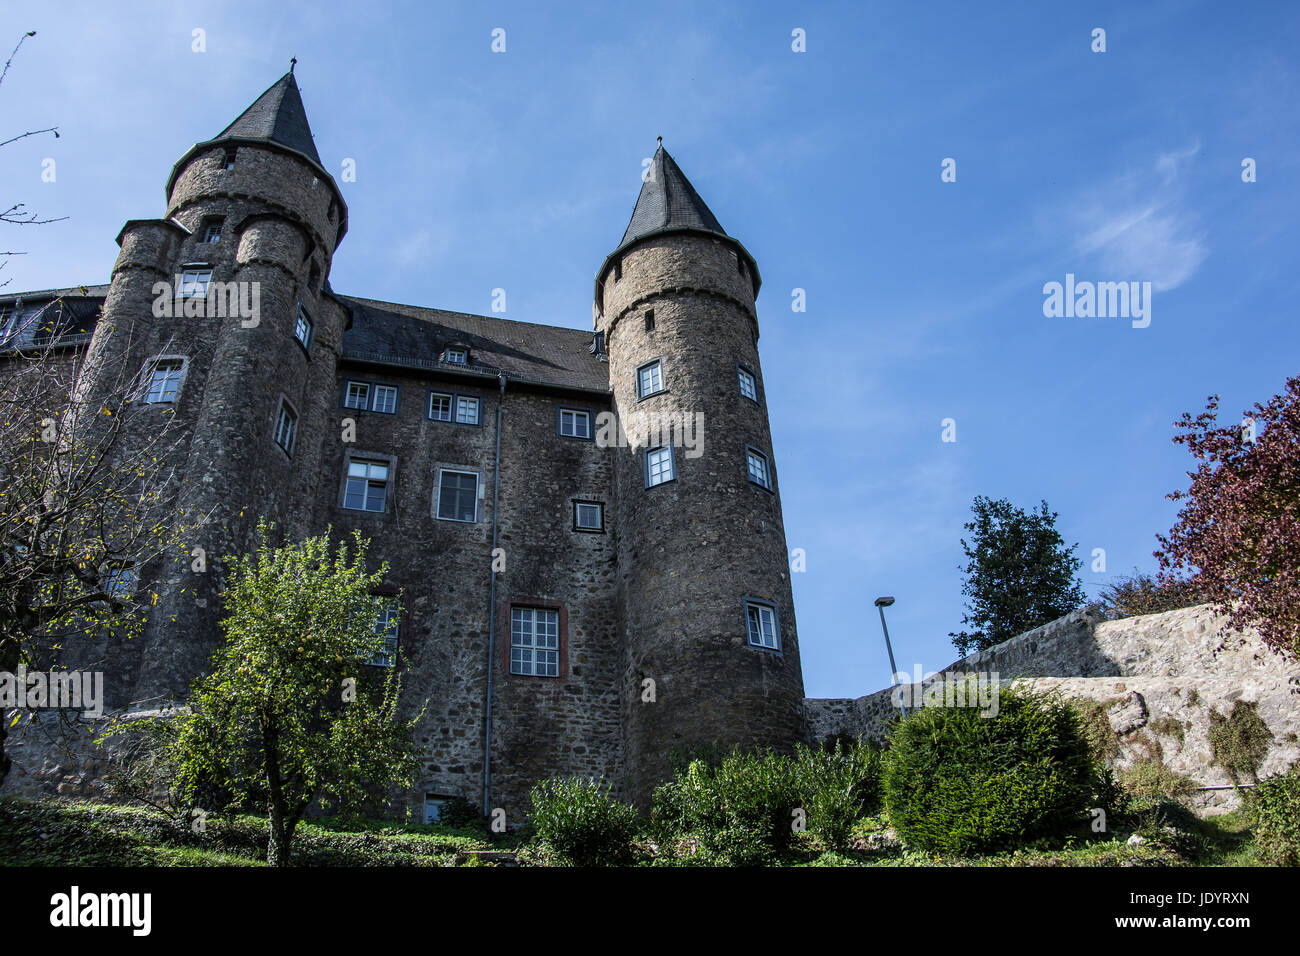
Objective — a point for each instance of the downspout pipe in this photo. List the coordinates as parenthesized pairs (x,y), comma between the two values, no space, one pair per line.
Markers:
(492,610)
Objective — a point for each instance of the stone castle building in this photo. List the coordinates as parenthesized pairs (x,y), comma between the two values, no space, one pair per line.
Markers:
(641,600)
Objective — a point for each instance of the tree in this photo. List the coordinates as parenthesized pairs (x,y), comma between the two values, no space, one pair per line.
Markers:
(18,213)
(87,499)
(1019,574)
(1239,527)
(292,711)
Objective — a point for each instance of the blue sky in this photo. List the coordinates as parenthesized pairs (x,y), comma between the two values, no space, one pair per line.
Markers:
(519,170)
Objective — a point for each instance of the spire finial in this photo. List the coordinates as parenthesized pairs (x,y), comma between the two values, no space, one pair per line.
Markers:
(293,61)
(660,140)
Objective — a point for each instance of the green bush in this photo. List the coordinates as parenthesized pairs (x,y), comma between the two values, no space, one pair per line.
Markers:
(578,822)
(1239,742)
(740,811)
(961,783)
(839,785)
(1275,806)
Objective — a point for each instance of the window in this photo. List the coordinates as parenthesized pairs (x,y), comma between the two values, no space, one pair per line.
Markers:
(466,410)
(386,626)
(535,641)
(588,516)
(575,423)
(658,466)
(211,231)
(457,356)
(164,381)
(618,268)
(228,158)
(22,325)
(385,399)
(440,407)
(433,807)
(117,579)
(286,427)
(649,379)
(650,320)
(194,281)
(762,626)
(759,471)
(457,495)
(366,488)
(748,384)
(357,395)
(302,327)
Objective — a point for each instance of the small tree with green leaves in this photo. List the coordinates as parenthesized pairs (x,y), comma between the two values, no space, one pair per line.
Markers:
(292,712)
(1019,573)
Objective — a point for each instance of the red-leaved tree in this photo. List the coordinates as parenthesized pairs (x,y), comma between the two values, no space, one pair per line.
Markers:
(1239,527)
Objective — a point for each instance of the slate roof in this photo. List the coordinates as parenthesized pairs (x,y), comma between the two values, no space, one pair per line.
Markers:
(668,201)
(417,337)
(277,116)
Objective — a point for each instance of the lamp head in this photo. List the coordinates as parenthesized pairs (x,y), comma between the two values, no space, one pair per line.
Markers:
(884,601)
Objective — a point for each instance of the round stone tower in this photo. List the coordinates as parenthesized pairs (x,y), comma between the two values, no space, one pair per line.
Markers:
(708,614)
(227,292)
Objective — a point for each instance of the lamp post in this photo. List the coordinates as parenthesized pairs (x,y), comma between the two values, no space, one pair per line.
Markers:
(882,603)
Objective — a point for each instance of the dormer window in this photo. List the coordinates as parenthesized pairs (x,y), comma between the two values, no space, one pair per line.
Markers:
(457,356)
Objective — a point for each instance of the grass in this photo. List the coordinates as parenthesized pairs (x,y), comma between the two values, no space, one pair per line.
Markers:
(98,834)
(95,834)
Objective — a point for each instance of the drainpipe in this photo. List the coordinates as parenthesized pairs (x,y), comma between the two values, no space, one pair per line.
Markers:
(492,612)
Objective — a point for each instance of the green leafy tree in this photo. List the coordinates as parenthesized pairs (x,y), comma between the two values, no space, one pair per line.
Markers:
(1019,573)
(292,712)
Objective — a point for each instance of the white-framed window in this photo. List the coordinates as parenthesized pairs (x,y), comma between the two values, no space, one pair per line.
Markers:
(457,356)
(302,327)
(467,408)
(649,379)
(357,395)
(164,381)
(211,232)
(588,516)
(762,626)
(457,495)
(760,471)
(748,384)
(366,487)
(658,465)
(440,406)
(385,399)
(194,281)
(535,641)
(286,427)
(386,626)
(575,423)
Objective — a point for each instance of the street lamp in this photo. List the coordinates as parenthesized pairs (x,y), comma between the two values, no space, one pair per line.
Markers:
(882,603)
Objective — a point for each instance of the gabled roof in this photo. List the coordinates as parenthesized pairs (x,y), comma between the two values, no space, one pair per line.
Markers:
(393,334)
(277,116)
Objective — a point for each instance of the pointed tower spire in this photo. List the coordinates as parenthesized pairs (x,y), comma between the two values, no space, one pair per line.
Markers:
(276,116)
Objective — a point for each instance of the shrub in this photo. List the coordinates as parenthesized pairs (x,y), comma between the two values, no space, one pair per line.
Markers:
(578,822)
(961,783)
(838,785)
(740,811)
(1240,741)
(1149,777)
(1275,806)
(1143,594)
(460,814)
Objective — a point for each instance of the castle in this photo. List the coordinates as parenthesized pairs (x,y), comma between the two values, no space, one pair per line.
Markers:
(577,597)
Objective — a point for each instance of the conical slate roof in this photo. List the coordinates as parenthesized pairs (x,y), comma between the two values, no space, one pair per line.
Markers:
(668,201)
(277,116)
